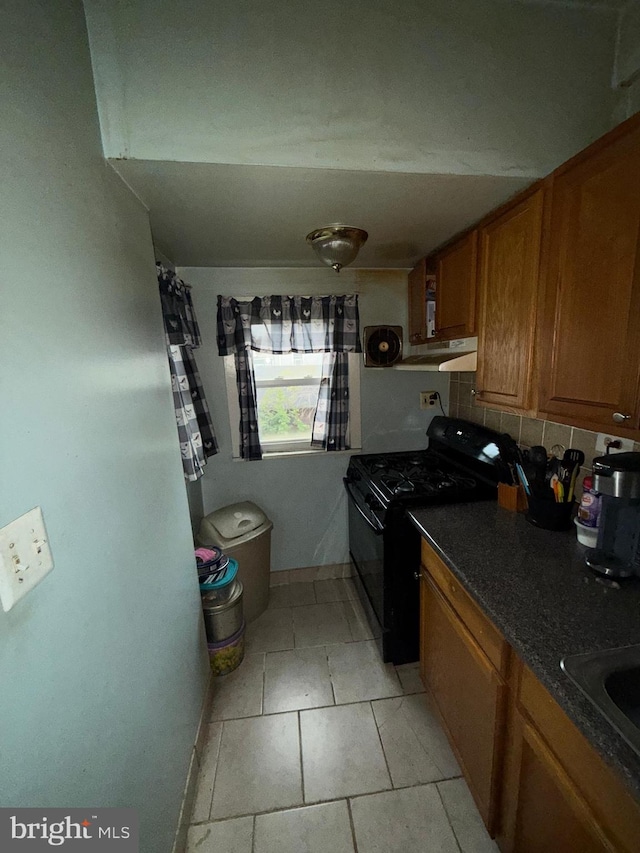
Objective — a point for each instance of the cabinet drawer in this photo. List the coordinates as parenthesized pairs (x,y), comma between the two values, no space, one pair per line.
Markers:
(610,801)
(483,631)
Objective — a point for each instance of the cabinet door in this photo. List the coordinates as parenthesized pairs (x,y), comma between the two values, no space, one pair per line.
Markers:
(418,303)
(589,338)
(507,297)
(456,269)
(548,813)
(469,694)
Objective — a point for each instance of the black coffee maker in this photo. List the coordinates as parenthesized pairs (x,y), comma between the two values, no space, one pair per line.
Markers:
(617,478)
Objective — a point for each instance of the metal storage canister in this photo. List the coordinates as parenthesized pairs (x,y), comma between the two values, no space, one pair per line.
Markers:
(223,619)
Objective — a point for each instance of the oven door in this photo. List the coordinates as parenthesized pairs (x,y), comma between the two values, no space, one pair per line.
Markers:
(366,545)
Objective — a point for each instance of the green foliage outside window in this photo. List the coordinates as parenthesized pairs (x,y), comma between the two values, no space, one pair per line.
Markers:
(279,412)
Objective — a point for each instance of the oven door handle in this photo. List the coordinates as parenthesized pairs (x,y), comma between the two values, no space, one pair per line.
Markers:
(377,528)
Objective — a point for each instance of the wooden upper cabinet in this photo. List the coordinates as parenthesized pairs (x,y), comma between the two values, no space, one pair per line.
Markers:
(456,269)
(507,299)
(589,332)
(418,303)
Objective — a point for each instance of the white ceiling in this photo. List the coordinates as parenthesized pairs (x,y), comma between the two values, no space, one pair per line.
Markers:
(244,125)
(206,214)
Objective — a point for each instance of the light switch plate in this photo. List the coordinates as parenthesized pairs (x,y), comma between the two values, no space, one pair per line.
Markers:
(25,556)
(603,441)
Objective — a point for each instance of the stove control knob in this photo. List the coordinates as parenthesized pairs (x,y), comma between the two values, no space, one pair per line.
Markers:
(372,502)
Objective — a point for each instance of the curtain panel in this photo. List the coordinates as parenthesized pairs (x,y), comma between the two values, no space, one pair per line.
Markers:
(195,429)
(285,324)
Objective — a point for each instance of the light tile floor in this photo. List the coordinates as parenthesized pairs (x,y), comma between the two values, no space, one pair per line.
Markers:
(315,745)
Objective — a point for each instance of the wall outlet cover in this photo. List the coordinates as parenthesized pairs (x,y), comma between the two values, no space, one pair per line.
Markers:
(604,441)
(428,399)
(25,556)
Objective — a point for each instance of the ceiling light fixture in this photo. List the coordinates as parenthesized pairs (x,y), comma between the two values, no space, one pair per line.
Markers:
(337,245)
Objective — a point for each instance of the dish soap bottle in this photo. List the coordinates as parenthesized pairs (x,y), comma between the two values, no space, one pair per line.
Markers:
(589,509)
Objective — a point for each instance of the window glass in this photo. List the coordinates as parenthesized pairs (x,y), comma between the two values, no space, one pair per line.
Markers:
(287,391)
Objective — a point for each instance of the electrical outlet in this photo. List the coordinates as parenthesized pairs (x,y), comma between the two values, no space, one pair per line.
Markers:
(25,556)
(428,399)
(604,441)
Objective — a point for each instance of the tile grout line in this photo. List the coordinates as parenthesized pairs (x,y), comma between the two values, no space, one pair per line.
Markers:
(304,805)
(215,772)
(444,806)
(333,689)
(253,837)
(304,797)
(384,754)
(352,825)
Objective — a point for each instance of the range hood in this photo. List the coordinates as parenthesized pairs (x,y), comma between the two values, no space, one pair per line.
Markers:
(456,356)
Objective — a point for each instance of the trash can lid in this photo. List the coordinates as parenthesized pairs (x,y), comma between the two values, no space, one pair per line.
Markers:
(235,520)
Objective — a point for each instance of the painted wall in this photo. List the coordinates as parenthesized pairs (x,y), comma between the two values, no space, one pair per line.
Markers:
(304,496)
(101,665)
(438,86)
(626,76)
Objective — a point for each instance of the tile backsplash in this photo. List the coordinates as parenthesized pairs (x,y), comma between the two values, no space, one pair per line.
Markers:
(527,431)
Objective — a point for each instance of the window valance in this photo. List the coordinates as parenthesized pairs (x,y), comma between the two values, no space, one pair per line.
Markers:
(283,324)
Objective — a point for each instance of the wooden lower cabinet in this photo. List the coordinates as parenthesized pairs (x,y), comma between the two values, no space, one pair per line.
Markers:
(538,783)
(547,811)
(469,694)
(558,793)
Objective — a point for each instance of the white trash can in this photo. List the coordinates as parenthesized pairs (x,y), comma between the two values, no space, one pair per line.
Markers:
(243,532)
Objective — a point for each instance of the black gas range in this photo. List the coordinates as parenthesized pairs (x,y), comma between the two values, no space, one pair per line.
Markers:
(463,462)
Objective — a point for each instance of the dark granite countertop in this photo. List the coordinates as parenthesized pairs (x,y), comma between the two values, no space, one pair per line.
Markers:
(533,584)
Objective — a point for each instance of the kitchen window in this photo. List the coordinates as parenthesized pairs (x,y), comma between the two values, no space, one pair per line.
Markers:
(287,393)
(291,353)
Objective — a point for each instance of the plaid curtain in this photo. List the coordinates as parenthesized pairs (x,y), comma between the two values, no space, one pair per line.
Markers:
(332,412)
(180,324)
(249,437)
(195,429)
(284,324)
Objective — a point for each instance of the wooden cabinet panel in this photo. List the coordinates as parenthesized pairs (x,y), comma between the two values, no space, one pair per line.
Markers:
(482,629)
(507,299)
(610,803)
(456,269)
(469,694)
(418,303)
(549,814)
(589,334)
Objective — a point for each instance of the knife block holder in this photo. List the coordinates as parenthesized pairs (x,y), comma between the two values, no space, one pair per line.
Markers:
(512,498)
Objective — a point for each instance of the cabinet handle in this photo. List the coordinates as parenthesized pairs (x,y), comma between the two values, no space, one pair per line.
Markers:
(620,418)
(416,575)
(476,393)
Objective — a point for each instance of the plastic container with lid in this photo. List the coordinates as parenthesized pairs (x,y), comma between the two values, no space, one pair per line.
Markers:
(243,531)
(586,535)
(221,587)
(589,509)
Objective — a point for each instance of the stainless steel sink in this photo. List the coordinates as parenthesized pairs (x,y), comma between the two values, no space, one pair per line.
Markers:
(611,680)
